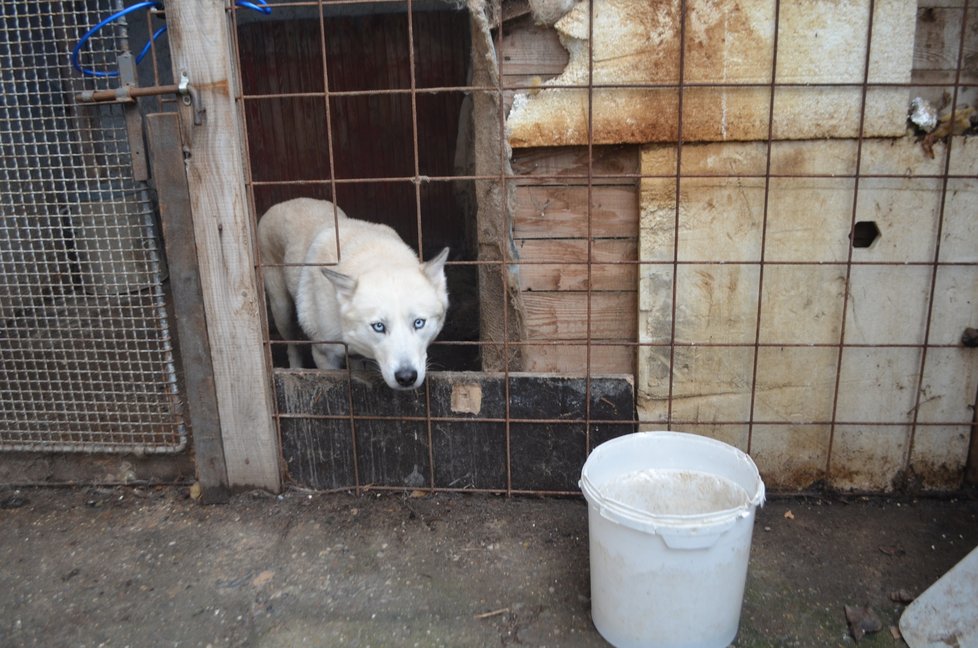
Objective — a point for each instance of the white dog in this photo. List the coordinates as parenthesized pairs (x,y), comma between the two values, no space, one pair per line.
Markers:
(378,299)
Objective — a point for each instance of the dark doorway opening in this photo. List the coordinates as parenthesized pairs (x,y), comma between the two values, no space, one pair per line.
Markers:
(387,149)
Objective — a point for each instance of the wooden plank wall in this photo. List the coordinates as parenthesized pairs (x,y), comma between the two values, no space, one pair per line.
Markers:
(466,446)
(553,233)
(566,244)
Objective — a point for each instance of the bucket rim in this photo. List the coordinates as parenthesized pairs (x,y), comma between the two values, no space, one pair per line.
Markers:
(625,513)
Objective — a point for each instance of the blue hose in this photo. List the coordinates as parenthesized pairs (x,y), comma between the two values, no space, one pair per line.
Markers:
(260,6)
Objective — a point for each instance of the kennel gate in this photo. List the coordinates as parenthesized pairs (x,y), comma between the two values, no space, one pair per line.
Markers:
(87,358)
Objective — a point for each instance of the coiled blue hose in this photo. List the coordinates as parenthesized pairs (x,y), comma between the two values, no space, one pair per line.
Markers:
(260,6)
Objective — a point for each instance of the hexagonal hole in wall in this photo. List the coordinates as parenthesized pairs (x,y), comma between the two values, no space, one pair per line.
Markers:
(864,234)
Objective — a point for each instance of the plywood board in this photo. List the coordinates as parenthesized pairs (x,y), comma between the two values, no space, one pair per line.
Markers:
(868,458)
(939,455)
(709,384)
(887,304)
(960,225)
(802,304)
(636,51)
(700,293)
(955,301)
(790,457)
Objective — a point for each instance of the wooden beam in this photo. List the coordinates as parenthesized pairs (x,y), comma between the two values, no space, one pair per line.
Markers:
(562,212)
(501,308)
(170,179)
(562,316)
(617,277)
(556,420)
(201,48)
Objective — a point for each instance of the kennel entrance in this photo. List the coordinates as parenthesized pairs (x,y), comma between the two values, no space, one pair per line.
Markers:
(376,106)
(86,352)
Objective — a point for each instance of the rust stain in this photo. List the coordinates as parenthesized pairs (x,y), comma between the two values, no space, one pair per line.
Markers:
(794,479)
(637,42)
(931,475)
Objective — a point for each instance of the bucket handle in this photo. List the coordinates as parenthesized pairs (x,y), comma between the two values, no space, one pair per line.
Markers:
(692,535)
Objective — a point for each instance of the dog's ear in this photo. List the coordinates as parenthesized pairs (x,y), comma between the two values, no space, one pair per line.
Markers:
(345,285)
(435,269)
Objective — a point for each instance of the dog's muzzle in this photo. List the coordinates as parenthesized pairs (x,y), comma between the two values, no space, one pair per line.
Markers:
(405,377)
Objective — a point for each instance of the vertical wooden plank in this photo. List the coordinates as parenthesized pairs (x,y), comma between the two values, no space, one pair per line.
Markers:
(501,308)
(166,157)
(971,467)
(200,46)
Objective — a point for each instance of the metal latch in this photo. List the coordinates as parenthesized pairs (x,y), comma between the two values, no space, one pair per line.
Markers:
(128,92)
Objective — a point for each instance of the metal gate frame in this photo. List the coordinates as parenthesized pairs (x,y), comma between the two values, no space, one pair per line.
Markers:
(88,354)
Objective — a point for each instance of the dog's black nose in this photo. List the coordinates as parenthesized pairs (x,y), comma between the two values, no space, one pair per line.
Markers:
(405,377)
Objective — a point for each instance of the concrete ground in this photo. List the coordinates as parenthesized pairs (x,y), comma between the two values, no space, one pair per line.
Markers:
(146,567)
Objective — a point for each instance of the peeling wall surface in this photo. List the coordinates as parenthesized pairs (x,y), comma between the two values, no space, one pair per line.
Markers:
(636,43)
(805,265)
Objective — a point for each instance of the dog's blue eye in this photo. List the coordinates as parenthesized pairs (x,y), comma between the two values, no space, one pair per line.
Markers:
(419,323)
(378,327)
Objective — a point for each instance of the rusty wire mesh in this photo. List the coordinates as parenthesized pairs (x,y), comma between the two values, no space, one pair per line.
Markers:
(815,445)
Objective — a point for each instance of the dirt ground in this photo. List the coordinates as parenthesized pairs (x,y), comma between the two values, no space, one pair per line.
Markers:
(145,567)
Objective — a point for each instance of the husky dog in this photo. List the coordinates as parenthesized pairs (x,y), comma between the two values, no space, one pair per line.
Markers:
(378,299)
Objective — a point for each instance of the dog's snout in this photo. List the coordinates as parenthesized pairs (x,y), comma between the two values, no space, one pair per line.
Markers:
(405,377)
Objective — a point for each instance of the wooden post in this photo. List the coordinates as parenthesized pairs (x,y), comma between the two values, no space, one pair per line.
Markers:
(165,143)
(200,48)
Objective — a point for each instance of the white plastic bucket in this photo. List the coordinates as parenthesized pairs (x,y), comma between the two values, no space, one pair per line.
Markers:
(670,518)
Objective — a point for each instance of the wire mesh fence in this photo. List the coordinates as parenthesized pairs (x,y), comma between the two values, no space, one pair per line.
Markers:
(733,220)
(86,354)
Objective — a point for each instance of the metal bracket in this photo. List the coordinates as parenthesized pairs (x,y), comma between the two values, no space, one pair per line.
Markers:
(134,121)
(190,98)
